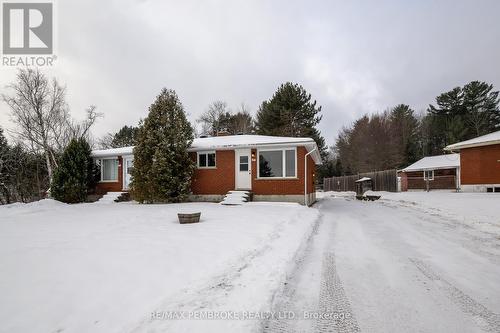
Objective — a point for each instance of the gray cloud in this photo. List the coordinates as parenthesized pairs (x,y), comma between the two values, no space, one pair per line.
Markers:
(354,57)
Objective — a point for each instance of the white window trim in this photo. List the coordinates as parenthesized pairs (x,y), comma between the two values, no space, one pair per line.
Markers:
(117,171)
(206,153)
(124,168)
(431,178)
(283,150)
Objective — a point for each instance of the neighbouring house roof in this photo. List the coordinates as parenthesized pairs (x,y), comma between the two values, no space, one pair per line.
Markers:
(362,180)
(485,140)
(435,162)
(230,142)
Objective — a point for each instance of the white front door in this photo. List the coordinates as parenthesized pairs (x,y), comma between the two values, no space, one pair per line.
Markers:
(243,169)
(128,165)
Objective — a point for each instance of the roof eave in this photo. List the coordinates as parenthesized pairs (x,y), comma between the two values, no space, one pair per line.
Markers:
(252,145)
(433,168)
(471,145)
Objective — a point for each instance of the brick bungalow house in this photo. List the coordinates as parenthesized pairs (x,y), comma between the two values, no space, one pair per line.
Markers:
(479,163)
(272,168)
(437,172)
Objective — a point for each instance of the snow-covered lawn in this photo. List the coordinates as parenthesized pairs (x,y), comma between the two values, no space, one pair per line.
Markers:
(107,268)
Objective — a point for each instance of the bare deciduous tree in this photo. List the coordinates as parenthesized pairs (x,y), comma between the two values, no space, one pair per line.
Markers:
(218,117)
(242,122)
(211,118)
(42,117)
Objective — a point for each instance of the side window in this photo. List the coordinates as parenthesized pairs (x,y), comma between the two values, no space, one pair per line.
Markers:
(206,160)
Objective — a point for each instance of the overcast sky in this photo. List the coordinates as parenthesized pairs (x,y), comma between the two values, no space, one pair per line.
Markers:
(354,57)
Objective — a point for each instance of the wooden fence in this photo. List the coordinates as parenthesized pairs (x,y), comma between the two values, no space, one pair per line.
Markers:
(386,180)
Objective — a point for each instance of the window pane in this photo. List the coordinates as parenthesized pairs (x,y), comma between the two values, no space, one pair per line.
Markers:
(130,166)
(211,159)
(271,163)
(109,169)
(243,163)
(290,163)
(203,160)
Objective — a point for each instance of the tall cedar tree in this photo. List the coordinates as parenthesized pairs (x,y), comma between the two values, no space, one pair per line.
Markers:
(76,173)
(290,112)
(162,166)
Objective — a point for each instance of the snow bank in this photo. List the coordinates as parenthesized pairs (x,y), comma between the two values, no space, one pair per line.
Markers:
(107,268)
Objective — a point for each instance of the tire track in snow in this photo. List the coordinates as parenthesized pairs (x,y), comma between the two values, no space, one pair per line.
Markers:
(333,300)
(283,299)
(486,319)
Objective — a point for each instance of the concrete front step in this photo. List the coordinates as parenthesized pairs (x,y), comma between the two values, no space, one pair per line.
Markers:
(236,198)
(109,197)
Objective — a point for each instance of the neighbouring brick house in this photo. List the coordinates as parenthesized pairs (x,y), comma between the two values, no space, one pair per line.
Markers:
(272,168)
(432,173)
(479,163)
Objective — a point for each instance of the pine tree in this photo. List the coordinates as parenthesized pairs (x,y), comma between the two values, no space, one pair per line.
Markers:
(162,165)
(464,113)
(125,137)
(291,112)
(404,130)
(75,174)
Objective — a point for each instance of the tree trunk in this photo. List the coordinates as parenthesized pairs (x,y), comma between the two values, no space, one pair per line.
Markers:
(49,165)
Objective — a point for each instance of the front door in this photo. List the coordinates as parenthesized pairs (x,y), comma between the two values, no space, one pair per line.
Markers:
(128,164)
(243,169)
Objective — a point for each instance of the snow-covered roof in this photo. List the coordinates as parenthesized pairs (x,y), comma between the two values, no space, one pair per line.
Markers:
(362,179)
(231,142)
(485,140)
(435,162)
(113,152)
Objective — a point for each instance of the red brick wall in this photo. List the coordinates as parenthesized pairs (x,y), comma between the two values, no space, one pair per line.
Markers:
(404,181)
(443,179)
(285,186)
(104,187)
(221,179)
(480,165)
(218,180)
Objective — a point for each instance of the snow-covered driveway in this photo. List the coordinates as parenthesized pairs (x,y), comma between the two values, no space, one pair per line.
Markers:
(407,263)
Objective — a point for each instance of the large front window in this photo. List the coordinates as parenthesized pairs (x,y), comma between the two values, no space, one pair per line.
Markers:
(277,163)
(109,170)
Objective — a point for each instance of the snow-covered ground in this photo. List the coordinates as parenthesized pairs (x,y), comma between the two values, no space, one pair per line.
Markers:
(108,268)
(409,262)
(478,210)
